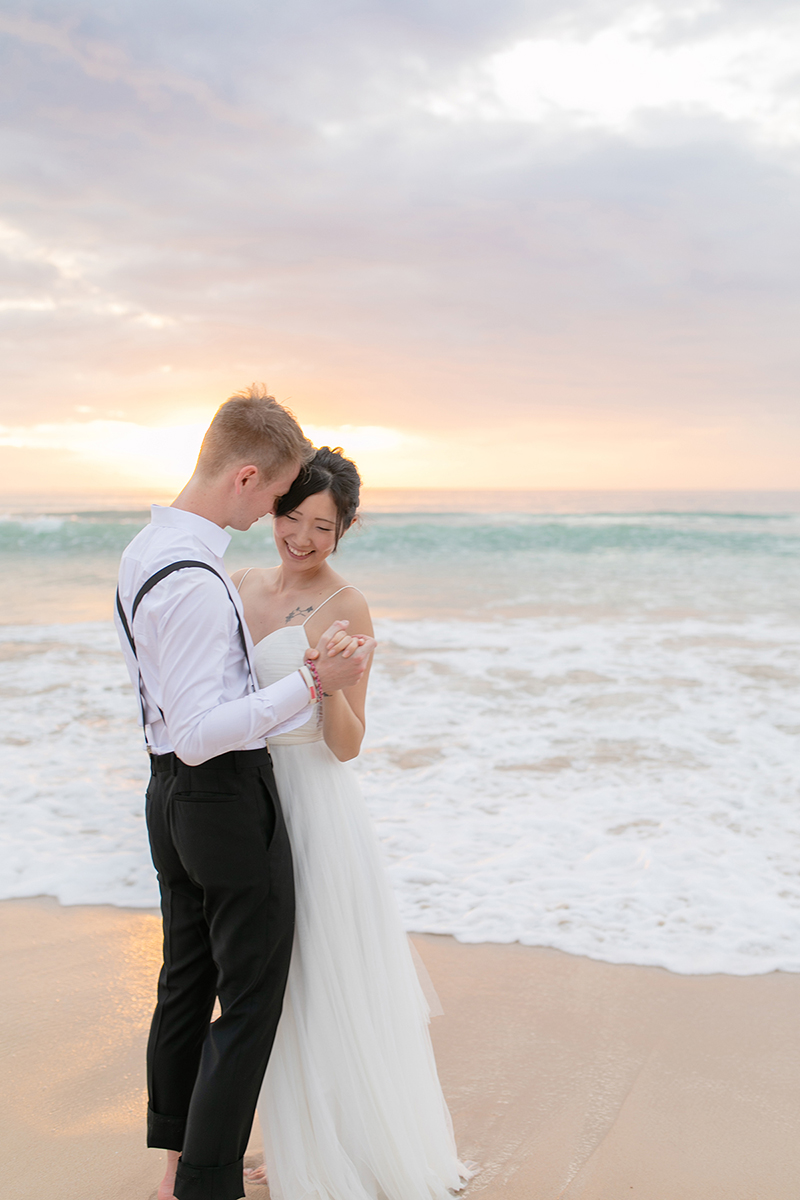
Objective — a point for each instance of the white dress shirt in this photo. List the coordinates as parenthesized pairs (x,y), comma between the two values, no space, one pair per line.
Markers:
(192,664)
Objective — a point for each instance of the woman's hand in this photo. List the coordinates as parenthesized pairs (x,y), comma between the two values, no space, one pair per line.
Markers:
(337,640)
(342,642)
(341,658)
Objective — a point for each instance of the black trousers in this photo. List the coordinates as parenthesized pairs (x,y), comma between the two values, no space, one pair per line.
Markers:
(224,865)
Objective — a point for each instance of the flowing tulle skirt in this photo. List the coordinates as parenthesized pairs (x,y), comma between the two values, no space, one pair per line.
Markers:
(351,1107)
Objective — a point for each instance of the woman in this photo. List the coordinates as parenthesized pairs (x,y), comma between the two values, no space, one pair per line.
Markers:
(351,1107)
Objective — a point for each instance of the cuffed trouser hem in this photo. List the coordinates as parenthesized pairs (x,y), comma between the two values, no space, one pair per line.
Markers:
(165,1133)
(209,1183)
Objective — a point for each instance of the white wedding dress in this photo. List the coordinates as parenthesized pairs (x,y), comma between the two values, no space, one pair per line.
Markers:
(351,1107)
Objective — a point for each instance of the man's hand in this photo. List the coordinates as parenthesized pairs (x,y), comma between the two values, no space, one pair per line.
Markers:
(341,658)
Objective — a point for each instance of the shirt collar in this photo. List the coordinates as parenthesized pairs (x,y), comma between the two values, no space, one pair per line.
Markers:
(212,536)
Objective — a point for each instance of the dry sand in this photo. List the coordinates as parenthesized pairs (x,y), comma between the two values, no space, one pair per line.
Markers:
(566,1077)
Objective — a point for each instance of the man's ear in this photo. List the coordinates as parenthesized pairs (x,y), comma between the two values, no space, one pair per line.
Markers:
(246,477)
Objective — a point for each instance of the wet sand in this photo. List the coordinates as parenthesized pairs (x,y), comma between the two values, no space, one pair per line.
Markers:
(566,1078)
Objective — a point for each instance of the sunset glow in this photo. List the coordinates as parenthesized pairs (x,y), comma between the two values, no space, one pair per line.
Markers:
(506,248)
(96,456)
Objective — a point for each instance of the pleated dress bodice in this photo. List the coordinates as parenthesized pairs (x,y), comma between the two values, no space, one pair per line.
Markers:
(276,656)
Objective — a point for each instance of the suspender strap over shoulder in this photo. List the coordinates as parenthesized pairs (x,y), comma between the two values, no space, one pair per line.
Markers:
(162,574)
(140,595)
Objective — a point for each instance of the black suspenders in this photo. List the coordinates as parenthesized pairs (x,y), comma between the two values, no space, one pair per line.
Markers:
(140,595)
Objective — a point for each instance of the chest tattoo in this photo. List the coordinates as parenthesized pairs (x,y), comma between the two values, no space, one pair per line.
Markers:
(299,612)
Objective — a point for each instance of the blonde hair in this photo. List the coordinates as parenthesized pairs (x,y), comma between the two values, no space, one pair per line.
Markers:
(252,427)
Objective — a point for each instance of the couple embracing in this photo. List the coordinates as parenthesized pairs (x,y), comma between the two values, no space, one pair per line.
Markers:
(273,896)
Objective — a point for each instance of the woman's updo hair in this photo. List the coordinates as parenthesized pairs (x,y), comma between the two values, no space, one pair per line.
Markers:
(328,471)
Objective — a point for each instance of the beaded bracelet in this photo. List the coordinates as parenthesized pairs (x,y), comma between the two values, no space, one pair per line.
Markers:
(312,668)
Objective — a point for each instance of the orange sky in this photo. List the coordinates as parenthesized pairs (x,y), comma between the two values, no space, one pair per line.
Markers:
(106,456)
(519,245)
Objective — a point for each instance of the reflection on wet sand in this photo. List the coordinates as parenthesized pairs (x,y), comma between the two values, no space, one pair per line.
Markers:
(568,1079)
(78,989)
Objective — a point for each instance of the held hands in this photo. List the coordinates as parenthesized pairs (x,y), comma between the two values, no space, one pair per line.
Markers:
(341,658)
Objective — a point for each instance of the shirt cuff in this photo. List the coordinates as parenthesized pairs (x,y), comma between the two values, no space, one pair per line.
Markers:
(285,703)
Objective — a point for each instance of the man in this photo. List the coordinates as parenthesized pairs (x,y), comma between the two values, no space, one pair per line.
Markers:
(217,834)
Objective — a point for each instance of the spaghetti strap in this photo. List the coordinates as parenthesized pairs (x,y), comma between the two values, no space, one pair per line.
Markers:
(241,581)
(324,602)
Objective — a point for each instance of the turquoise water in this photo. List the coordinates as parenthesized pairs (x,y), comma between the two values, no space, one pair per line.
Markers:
(583,721)
(62,566)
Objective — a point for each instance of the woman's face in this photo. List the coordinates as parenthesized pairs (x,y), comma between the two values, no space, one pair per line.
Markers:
(307,535)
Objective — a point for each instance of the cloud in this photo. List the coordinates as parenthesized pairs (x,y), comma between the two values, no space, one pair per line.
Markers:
(628,69)
(602,225)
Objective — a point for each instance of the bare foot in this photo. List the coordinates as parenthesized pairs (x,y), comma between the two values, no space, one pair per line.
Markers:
(254,1175)
(166,1187)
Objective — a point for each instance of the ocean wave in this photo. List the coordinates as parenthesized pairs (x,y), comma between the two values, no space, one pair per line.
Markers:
(430,535)
(624,789)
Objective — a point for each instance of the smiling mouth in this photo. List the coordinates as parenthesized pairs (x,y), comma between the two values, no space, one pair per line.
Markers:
(297,553)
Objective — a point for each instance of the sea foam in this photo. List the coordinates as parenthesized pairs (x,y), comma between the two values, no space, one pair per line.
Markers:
(621,788)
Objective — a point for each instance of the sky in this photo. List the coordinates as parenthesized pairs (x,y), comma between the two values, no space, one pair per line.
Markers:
(524,244)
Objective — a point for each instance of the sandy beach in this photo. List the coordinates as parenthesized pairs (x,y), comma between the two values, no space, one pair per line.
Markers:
(567,1078)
